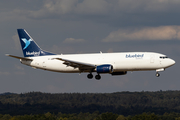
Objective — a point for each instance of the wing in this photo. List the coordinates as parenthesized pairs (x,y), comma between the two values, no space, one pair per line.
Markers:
(75,64)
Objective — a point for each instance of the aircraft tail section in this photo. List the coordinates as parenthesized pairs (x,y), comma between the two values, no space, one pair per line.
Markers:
(29,47)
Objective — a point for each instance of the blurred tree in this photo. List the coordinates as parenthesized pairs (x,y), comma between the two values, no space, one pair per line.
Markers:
(121,117)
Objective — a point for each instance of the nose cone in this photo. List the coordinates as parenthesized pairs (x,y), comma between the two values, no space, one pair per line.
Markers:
(172,62)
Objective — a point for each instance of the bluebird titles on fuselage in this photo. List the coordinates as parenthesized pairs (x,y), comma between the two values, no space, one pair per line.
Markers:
(137,56)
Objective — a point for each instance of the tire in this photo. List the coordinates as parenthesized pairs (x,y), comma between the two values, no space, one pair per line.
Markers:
(98,77)
(90,76)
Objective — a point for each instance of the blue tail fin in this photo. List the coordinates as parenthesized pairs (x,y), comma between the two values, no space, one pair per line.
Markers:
(29,46)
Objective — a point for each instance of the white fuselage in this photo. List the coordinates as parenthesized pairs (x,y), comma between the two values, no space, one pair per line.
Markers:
(125,61)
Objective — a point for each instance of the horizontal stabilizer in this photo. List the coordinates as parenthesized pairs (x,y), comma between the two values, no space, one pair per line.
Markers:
(23,58)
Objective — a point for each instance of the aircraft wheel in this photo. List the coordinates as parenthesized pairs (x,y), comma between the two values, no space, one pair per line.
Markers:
(157,74)
(98,77)
(90,76)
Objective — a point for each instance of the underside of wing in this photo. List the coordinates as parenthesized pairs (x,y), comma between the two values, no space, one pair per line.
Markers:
(76,64)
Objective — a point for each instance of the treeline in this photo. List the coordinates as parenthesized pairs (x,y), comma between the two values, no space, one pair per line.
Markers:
(121,103)
(92,116)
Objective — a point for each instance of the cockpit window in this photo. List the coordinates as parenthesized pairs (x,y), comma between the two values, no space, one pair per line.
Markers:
(163,57)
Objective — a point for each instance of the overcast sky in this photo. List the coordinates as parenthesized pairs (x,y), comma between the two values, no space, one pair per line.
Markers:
(89,26)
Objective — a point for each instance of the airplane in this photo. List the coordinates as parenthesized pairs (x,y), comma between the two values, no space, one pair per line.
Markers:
(101,63)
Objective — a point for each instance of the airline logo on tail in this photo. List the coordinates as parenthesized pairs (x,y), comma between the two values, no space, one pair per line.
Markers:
(27,42)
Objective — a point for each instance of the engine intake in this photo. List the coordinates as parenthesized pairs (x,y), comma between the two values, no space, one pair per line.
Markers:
(104,68)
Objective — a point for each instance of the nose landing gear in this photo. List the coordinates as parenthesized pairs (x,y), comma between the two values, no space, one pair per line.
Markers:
(159,70)
(157,74)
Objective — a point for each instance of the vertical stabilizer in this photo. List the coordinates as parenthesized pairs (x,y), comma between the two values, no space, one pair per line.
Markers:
(29,46)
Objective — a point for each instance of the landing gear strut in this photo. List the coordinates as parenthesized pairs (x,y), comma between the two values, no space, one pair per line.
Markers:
(90,76)
(157,74)
(98,77)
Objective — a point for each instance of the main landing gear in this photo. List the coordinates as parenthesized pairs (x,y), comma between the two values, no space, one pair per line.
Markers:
(98,77)
(157,74)
(90,76)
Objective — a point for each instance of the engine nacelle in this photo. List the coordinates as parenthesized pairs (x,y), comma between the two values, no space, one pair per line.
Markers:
(104,68)
(119,73)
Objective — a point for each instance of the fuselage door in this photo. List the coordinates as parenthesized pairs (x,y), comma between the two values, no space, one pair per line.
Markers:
(44,64)
(152,58)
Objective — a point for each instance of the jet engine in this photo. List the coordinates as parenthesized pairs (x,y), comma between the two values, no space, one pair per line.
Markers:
(104,68)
